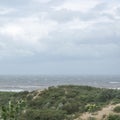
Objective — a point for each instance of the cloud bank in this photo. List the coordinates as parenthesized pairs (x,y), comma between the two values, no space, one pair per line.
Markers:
(66,29)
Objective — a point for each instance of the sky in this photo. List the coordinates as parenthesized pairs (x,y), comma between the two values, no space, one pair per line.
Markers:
(70,37)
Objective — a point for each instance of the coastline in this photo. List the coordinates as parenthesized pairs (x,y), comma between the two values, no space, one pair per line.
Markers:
(31,83)
(23,89)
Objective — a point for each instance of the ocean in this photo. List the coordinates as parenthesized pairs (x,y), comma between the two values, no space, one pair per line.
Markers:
(19,83)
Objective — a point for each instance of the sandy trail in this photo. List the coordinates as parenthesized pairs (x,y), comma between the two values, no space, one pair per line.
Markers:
(100,115)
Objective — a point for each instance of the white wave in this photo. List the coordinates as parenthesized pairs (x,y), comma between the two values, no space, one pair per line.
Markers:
(11,90)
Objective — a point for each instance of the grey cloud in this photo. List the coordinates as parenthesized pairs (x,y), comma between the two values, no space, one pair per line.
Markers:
(35,8)
(100,7)
(14,3)
(93,47)
(118,11)
(101,40)
(65,15)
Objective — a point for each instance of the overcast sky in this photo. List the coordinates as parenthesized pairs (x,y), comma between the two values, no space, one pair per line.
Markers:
(60,37)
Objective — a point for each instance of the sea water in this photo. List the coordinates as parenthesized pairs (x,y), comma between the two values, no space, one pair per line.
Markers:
(19,83)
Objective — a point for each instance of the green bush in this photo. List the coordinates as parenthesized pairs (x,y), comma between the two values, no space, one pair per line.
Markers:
(91,107)
(46,114)
(13,110)
(117,109)
(71,108)
(106,95)
(113,117)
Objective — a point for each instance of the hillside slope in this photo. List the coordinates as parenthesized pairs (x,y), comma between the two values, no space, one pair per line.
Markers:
(63,102)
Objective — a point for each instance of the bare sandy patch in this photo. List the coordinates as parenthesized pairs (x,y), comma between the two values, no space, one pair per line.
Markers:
(100,115)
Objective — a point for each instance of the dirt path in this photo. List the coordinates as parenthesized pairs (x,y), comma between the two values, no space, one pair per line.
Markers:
(37,95)
(100,114)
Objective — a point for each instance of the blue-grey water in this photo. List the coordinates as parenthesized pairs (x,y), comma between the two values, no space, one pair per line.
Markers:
(22,83)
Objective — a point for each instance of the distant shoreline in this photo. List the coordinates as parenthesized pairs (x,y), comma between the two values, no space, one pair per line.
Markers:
(43,88)
(31,83)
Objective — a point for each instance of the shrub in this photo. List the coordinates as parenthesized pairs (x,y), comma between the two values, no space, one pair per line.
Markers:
(13,110)
(106,95)
(91,107)
(113,117)
(71,107)
(46,114)
(117,109)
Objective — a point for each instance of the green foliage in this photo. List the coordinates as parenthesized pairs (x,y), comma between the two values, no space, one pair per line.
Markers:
(117,109)
(5,97)
(12,110)
(71,107)
(46,114)
(57,103)
(106,95)
(113,117)
(91,107)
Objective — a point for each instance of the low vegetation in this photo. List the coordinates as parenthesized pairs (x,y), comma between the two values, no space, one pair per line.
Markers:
(59,103)
(113,117)
(117,109)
